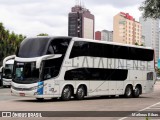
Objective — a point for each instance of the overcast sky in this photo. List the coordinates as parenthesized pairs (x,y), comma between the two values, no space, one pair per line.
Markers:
(31,17)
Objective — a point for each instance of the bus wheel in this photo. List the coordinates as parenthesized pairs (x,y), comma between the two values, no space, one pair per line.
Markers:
(128,91)
(40,99)
(80,93)
(136,92)
(66,93)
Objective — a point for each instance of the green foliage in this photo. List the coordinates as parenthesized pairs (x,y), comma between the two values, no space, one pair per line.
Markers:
(147,118)
(136,43)
(151,9)
(139,44)
(43,34)
(8,42)
(158,72)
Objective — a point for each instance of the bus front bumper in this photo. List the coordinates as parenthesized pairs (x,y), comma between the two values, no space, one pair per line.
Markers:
(6,82)
(32,93)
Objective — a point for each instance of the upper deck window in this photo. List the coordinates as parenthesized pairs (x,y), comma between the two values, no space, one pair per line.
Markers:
(36,47)
(33,47)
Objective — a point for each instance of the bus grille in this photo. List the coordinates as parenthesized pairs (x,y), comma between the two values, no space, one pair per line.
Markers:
(21,89)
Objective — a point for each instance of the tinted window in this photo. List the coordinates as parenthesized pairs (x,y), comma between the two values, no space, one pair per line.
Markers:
(58,46)
(33,47)
(8,70)
(25,73)
(150,76)
(96,74)
(51,68)
(82,48)
(141,54)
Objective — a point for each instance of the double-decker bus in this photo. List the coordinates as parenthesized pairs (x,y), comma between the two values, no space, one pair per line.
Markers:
(65,67)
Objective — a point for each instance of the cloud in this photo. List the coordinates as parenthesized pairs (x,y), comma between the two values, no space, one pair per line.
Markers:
(31,17)
(115,3)
(104,15)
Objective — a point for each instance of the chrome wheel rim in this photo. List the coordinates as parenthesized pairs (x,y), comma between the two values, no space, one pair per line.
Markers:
(66,93)
(128,92)
(136,91)
(80,92)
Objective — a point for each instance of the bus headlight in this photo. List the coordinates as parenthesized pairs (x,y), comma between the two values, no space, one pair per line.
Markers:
(36,87)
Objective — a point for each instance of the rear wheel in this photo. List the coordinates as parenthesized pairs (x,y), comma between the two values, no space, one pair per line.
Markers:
(136,92)
(40,99)
(80,93)
(1,82)
(66,93)
(128,91)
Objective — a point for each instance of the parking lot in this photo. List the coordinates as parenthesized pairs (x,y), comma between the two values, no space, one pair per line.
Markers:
(114,106)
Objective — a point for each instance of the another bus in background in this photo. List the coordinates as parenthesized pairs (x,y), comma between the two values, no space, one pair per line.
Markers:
(7,70)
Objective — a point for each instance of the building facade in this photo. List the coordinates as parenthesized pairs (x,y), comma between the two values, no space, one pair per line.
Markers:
(104,35)
(98,35)
(150,30)
(126,29)
(80,23)
(107,35)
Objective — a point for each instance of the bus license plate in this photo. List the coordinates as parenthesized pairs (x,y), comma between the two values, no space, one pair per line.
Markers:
(22,94)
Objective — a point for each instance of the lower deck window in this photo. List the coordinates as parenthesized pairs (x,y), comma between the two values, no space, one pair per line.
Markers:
(96,74)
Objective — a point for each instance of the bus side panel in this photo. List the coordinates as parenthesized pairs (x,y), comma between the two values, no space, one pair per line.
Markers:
(112,87)
(149,82)
(98,88)
(136,75)
(120,87)
(51,87)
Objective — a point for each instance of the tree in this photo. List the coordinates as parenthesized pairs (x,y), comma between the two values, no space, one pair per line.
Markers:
(42,34)
(151,9)
(8,42)
(157,71)
(136,43)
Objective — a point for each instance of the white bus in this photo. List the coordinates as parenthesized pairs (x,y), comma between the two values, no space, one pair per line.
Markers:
(7,70)
(65,67)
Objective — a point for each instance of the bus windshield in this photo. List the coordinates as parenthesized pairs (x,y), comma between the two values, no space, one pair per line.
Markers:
(25,73)
(8,71)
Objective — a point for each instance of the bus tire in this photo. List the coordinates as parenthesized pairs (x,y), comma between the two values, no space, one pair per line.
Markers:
(66,93)
(80,93)
(40,99)
(136,92)
(128,91)
(1,83)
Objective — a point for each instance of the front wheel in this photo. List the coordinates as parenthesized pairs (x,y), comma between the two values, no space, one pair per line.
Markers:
(66,93)
(80,93)
(128,92)
(136,92)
